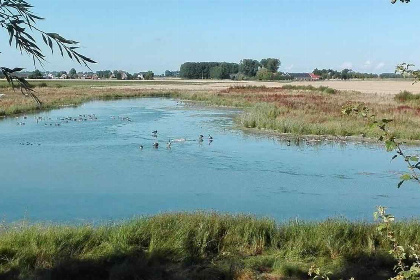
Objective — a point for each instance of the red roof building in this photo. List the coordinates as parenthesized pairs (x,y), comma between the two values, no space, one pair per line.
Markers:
(314,77)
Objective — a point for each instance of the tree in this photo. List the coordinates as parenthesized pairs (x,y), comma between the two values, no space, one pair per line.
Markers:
(73,73)
(36,75)
(264,74)
(271,64)
(149,75)
(20,22)
(346,74)
(249,67)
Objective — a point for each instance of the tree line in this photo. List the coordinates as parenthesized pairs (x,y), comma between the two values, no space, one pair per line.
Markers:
(347,74)
(102,74)
(266,69)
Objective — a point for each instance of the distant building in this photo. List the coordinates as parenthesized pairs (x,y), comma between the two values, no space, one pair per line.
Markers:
(141,75)
(314,77)
(305,76)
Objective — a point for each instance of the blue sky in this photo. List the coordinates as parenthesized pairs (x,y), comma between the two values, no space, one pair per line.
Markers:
(136,35)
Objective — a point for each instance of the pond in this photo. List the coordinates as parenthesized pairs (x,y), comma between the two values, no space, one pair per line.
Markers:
(84,164)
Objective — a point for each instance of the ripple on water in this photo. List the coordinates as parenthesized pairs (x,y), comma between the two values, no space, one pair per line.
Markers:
(95,170)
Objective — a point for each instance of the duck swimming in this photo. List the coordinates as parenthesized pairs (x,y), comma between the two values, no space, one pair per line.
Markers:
(156,145)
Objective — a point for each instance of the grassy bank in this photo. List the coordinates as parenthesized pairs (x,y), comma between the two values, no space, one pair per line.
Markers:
(292,109)
(198,246)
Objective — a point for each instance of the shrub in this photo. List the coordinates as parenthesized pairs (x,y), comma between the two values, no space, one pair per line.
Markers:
(43,84)
(405,95)
(322,89)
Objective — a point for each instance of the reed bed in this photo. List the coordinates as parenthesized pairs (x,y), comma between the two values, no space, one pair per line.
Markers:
(198,246)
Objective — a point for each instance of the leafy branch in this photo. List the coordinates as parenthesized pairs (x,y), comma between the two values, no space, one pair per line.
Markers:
(20,22)
(390,141)
(400,253)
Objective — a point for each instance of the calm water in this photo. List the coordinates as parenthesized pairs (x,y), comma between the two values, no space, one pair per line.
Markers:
(94,170)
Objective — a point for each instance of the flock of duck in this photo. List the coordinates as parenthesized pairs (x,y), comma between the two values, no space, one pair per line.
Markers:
(59,121)
(169,143)
(47,121)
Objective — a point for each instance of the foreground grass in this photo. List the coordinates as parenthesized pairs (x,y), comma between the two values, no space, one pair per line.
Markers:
(289,109)
(198,246)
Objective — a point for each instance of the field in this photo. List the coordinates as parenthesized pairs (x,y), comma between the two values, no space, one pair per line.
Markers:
(199,246)
(297,110)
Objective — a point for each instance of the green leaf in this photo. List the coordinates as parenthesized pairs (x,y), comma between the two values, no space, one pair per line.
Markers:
(390,145)
(405,177)
(414,158)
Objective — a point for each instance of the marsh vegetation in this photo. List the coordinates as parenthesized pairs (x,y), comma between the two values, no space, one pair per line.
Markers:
(198,246)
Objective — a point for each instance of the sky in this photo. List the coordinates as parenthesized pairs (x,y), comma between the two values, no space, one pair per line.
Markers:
(158,35)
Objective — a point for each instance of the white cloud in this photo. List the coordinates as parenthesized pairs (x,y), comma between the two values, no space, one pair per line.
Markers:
(380,66)
(346,65)
(367,64)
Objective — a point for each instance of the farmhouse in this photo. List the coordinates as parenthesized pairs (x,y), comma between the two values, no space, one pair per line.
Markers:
(305,76)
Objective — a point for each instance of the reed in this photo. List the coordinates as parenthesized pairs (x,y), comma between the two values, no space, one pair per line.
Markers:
(198,245)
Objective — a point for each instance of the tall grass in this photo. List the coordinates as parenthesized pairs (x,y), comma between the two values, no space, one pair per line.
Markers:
(405,95)
(182,245)
(322,89)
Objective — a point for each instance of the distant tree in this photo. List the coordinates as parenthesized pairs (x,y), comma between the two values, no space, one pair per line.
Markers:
(60,73)
(222,71)
(149,75)
(249,67)
(130,76)
(118,75)
(105,74)
(72,73)
(346,74)
(202,70)
(271,64)
(264,74)
(168,73)
(20,22)
(36,75)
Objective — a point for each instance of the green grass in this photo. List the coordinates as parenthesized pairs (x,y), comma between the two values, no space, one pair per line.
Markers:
(322,89)
(197,246)
(405,96)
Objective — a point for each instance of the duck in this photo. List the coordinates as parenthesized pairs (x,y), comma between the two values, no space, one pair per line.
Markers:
(141,147)
(288,142)
(168,145)
(154,132)
(156,145)
(200,138)
(210,137)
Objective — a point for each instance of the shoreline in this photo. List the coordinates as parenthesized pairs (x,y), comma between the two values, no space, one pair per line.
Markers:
(286,113)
